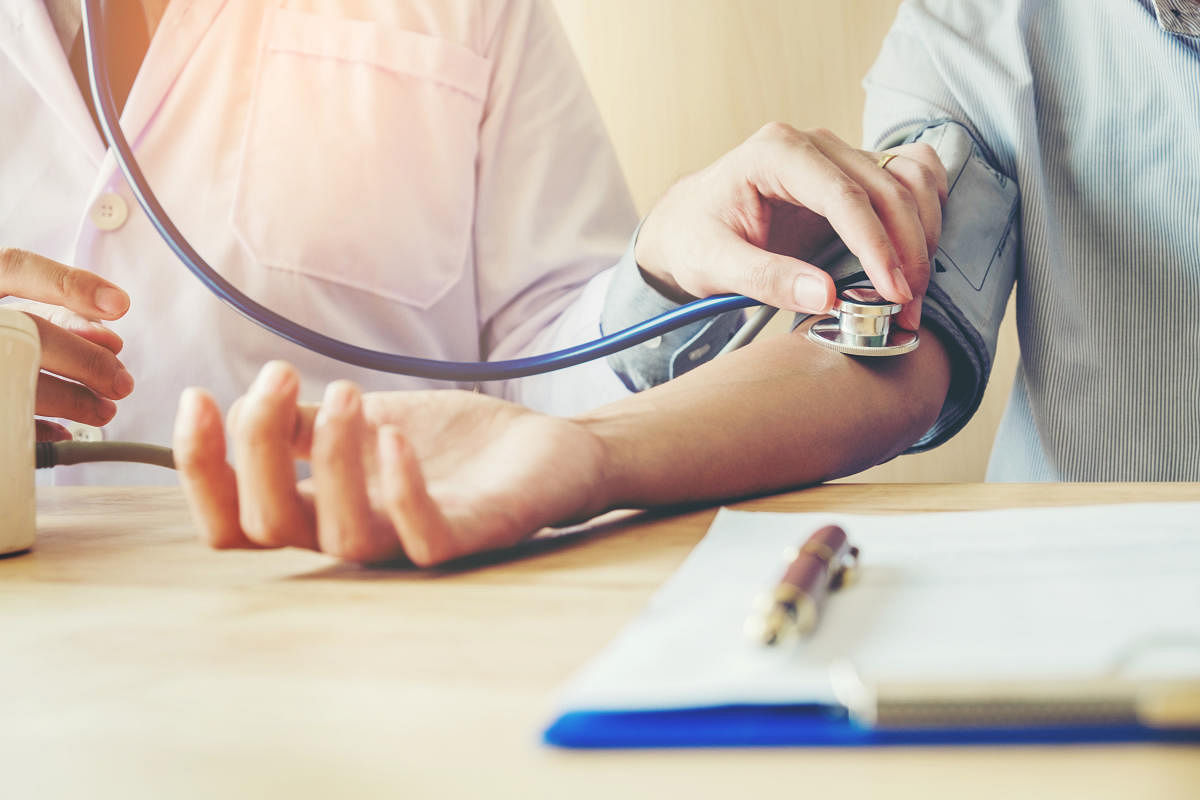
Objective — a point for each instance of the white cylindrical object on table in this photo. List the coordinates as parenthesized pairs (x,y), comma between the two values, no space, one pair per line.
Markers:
(20,355)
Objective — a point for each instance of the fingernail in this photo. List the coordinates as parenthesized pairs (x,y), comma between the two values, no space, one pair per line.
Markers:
(110,300)
(340,397)
(906,294)
(912,315)
(188,413)
(123,383)
(188,403)
(273,378)
(810,293)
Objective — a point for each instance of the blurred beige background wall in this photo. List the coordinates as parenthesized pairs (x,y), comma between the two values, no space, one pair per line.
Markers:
(680,82)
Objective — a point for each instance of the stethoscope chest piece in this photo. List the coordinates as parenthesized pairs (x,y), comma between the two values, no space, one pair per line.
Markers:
(861,325)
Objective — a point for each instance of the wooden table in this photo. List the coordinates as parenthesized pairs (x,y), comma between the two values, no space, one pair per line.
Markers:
(136,663)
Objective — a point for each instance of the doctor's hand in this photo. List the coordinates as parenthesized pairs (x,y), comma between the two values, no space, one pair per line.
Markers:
(427,476)
(80,376)
(747,223)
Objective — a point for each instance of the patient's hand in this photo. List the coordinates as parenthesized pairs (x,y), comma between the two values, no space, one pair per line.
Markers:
(747,223)
(430,476)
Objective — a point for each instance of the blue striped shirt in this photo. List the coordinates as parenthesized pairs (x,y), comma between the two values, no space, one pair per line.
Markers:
(1092,107)
(1070,130)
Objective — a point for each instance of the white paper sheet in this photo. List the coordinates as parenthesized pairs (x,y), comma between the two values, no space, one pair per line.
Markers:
(1037,593)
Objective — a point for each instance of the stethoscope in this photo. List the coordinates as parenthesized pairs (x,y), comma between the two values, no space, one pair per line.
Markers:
(861,323)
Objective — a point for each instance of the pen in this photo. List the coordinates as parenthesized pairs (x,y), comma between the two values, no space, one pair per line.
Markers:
(794,607)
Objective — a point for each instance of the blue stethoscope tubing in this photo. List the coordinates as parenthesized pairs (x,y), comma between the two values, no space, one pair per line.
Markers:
(459,371)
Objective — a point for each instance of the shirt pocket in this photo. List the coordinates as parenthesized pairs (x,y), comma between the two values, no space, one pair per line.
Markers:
(358,162)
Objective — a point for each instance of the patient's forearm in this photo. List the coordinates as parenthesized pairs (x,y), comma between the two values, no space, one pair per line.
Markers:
(781,412)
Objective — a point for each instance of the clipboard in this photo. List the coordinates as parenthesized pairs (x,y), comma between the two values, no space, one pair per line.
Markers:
(1018,597)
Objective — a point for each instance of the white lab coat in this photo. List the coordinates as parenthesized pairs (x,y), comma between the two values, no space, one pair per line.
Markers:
(423,176)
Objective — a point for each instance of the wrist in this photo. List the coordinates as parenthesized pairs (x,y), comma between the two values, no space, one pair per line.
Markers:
(648,259)
(619,478)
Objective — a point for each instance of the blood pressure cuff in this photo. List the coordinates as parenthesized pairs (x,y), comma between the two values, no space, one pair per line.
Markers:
(972,276)
(972,272)
(631,300)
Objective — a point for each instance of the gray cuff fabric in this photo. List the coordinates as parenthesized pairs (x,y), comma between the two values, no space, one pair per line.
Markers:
(973,270)
(970,368)
(632,300)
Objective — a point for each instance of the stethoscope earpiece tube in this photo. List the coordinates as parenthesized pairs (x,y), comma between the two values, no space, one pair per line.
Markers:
(459,371)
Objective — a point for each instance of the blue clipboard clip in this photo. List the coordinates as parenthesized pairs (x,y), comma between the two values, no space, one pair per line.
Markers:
(1112,707)
(1105,702)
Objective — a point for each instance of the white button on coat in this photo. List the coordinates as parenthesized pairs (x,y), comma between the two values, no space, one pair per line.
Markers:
(109,212)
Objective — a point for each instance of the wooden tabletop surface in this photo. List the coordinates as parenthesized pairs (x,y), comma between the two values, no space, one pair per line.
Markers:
(136,663)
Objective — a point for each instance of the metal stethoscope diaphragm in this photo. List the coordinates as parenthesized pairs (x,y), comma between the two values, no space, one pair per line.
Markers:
(861,325)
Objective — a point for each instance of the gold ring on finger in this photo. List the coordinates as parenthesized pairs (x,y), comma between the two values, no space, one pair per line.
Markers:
(884,160)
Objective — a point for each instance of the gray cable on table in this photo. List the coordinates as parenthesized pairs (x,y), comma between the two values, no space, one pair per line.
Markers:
(58,454)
